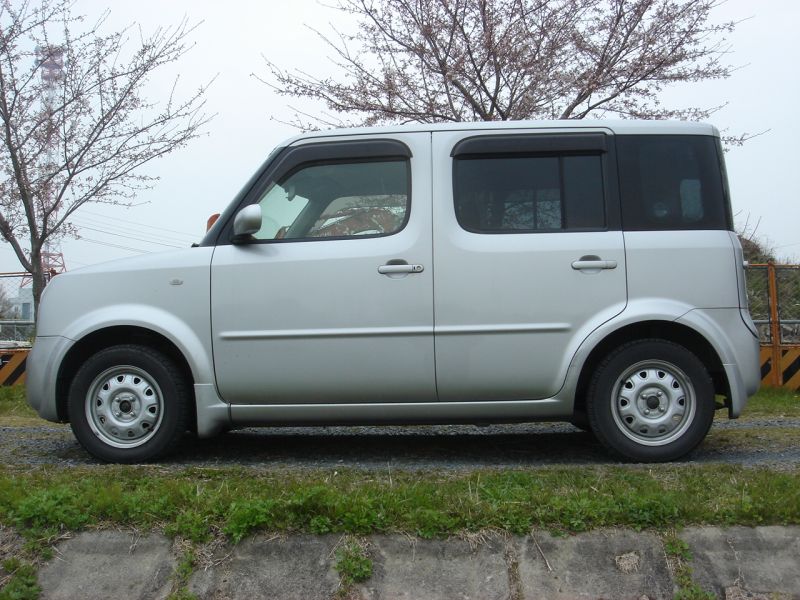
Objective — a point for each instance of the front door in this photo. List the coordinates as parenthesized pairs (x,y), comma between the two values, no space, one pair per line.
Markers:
(332,300)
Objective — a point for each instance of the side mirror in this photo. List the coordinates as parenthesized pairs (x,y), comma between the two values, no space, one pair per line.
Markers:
(247,221)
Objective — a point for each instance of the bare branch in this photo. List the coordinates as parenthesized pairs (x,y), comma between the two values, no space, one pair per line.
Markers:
(455,60)
(82,133)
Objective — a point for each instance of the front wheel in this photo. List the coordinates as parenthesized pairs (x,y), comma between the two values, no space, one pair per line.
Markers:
(651,401)
(128,404)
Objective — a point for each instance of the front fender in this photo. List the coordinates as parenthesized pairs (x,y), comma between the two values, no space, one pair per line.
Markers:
(196,348)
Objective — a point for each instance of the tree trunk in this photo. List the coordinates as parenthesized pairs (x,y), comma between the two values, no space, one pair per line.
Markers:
(38,276)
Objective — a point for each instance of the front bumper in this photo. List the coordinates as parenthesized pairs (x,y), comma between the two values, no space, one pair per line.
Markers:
(42,367)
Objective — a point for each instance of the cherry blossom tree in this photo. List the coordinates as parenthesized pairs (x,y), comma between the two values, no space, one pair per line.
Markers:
(75,125)
(467,60)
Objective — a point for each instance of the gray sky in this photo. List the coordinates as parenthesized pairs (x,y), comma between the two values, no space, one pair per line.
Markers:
(202,178)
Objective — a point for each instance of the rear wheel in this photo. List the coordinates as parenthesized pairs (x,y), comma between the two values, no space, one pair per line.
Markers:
(651,401)
(128,404)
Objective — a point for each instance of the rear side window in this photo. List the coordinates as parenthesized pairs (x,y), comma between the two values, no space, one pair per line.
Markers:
(517,194)
(671,182)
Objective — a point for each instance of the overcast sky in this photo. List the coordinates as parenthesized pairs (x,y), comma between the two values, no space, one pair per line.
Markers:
(202,178)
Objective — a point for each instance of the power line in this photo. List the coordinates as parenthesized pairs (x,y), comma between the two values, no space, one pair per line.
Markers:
(136,229)
(110,245)
(143,235)
(191,235)
(130,237)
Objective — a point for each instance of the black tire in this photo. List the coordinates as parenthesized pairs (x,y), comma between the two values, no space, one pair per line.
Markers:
(139,404)
(651,401)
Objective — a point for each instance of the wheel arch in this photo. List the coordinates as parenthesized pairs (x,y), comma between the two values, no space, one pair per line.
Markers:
(671,331)
(115,336)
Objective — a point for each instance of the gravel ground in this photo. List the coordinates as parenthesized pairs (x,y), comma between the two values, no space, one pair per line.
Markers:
(766,442)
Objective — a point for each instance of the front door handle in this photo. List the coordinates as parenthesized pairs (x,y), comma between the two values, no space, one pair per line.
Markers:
(395,269)
(593,263)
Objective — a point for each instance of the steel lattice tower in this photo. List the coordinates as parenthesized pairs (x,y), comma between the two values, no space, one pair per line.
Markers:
(51,64)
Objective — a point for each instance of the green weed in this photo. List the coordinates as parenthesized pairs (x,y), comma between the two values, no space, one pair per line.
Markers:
(22,585)
(247,515)
(677,548)
(182,594)
(679,551)
(352,563)
(49,510)
(191,525)
(180,577)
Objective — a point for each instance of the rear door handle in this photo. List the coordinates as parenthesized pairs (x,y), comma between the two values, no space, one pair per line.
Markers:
(585,264)
(394,269)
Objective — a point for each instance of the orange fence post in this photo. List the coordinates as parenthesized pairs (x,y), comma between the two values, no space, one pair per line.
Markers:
(774,326)
(12,366)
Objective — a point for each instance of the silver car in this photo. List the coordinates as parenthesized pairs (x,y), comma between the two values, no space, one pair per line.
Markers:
(465,273)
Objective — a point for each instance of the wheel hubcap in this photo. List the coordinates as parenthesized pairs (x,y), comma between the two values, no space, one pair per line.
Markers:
(654,403)
(124,406)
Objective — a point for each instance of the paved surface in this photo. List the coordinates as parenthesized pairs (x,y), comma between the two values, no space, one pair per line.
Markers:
(767,558)
(108,564)
(773,442)
(296,568)
(755,563)
(599,564)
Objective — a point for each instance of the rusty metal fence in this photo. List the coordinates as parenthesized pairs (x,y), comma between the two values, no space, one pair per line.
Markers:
(774,295)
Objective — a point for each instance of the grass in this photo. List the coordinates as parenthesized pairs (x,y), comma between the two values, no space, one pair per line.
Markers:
(772,403)
(196,503)
(14,408)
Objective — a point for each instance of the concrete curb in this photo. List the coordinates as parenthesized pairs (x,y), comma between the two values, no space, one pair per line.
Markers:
(733,563)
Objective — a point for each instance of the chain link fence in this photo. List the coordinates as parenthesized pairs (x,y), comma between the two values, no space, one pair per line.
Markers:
(776,302)
(788,286)
(16,310)
(758,297)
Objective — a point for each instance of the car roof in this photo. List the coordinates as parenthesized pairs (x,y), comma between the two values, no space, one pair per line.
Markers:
(613,126)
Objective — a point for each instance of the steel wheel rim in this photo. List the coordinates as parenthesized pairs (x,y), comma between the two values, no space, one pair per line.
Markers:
(124,406)
(654,403)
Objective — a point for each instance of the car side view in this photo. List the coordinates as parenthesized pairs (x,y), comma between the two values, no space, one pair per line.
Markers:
(584,271)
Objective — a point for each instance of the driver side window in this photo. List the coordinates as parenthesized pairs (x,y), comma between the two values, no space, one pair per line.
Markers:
(337,200)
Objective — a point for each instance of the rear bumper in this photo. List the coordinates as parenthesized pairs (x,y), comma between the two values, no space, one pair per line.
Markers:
(737,348)
(744,371)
